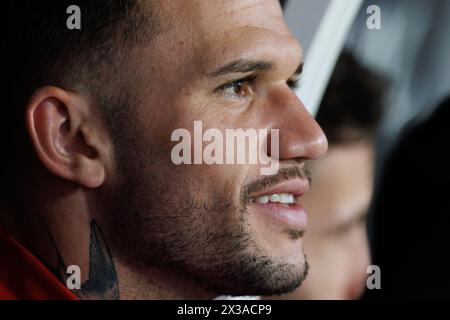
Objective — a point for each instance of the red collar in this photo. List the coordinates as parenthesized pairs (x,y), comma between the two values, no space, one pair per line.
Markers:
(23,276)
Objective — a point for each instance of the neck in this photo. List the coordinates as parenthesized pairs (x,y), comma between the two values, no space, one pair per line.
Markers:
(69,231)
(150,283)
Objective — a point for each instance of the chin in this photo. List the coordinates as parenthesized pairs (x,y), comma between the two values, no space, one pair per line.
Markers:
(281,244)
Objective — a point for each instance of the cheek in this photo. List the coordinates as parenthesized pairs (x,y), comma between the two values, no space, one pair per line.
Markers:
(357,254)
(217,181)
(362,250)
(337,263)
(214,191)
(326,279)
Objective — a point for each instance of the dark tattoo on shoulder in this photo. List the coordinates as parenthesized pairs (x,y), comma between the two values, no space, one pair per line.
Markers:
(103,282)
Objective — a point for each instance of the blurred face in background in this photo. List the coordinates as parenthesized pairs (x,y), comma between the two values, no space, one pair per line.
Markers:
(336,241)
(341,191)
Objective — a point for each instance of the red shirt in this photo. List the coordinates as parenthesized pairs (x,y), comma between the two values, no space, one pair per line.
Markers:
(23,276)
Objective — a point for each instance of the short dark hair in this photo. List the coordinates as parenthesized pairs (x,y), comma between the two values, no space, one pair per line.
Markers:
(42,50)
(45,51)
(353,102)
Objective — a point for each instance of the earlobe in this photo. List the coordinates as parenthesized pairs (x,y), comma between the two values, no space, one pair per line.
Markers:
(57,122)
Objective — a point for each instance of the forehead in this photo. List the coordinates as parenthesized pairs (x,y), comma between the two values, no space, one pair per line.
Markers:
(349,167)
(343,177)
(219,29)
(208,14)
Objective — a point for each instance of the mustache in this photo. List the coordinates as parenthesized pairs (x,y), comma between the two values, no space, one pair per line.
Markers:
(283,174)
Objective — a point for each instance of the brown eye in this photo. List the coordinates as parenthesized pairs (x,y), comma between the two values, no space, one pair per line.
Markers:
(239,88)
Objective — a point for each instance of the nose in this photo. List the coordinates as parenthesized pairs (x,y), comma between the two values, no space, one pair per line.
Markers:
(300,136)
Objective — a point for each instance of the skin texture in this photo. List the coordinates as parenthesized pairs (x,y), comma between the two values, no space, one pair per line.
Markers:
(336,242)
(167,231)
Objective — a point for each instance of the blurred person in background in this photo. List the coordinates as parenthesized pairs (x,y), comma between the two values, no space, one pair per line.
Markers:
(340,195)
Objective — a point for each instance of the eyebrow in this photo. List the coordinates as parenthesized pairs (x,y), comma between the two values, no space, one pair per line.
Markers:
(242,66)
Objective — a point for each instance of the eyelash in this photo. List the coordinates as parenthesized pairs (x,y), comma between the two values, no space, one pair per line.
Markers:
(293,84)
(235,84)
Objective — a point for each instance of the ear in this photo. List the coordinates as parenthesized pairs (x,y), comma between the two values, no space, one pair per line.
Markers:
(63,130)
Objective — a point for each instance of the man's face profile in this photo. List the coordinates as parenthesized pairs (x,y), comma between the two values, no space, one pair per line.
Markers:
(221,229)
(195,220)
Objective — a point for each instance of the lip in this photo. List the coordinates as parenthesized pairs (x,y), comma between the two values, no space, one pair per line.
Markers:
(293,216)
(296,186)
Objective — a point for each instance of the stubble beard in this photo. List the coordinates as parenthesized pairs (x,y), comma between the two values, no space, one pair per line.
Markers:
(172,227)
